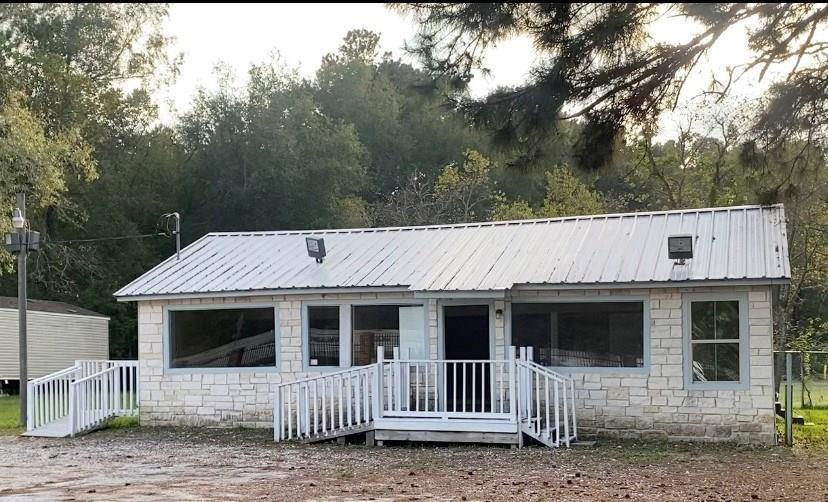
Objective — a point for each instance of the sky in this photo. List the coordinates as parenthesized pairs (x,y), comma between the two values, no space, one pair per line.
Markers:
(241,34)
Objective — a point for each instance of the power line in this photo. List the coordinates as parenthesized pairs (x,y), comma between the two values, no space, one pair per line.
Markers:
(115,238)
(163,224)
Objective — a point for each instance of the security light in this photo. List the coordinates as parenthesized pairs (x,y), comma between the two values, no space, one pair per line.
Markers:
(17,219)
(316,248)
(680,247)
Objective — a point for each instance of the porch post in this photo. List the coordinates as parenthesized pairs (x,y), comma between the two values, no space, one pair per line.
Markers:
(29,404)
(443,369)
(522,385)
(377,381)
(72,409)
(397,380)
(512,384)
(277,422)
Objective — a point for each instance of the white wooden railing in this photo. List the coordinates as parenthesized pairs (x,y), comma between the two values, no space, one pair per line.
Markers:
(447,389)
(48,398)
(547,402)
(100,396)
(83,396)
(326,405)
(513,392)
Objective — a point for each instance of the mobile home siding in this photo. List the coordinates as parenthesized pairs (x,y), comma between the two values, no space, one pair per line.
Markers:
(55,341)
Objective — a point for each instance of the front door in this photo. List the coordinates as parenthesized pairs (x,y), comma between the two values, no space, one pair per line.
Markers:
(466,335)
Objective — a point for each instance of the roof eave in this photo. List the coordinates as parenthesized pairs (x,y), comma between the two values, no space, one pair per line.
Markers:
(487,293)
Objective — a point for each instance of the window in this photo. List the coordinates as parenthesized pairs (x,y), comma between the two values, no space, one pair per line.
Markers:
(591,334)
(388,326)
(349,333)
(715,341)
(222,338)
(323,335)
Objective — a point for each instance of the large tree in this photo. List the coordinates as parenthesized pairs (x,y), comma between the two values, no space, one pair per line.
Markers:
(266,158)
(80,76)
(597,62)
(405,128)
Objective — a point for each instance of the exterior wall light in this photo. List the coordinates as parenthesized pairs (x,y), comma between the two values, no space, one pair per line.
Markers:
(316,248)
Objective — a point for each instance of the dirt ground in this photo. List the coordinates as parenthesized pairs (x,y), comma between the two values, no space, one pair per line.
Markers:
(188,464)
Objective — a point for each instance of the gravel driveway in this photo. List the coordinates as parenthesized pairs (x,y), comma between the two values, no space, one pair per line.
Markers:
(198,464)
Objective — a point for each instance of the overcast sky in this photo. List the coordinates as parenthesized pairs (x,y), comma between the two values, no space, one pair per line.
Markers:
(241,34)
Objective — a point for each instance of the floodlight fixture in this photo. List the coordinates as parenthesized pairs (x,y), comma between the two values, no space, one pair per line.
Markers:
(316,248)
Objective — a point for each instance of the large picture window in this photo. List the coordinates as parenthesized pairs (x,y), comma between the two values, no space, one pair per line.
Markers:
(222,338)
(715,341)
(323,335)
(591,334)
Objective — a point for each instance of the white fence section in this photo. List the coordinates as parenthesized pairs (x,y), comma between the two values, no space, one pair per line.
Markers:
(82,397)
(511,394)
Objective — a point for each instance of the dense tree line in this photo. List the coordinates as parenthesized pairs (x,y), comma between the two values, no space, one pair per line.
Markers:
(368,141)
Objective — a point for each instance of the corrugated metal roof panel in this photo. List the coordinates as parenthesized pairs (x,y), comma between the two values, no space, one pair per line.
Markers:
(746,242)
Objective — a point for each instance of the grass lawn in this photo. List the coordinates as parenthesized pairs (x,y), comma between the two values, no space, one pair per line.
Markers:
(815,431)
(9,413)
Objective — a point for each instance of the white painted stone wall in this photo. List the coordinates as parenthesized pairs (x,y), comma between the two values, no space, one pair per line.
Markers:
(649,404)
(657,404)
(212,397)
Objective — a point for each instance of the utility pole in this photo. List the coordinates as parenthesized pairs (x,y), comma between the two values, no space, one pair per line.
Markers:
(21,314)
(20,242)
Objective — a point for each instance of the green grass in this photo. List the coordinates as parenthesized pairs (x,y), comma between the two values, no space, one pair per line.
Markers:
(815,431)
(814,408)
(9,414)
(122,423)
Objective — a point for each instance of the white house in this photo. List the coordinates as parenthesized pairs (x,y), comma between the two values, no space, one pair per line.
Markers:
(641,343)
(58,335)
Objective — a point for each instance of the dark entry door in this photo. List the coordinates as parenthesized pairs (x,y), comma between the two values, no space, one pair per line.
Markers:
(466,334)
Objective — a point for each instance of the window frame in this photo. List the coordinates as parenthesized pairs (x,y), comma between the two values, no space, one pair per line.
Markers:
(346,327)
(744,340)
(644,300)
(167,337)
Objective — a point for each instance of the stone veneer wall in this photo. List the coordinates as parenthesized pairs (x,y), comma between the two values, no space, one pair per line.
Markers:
(657,404)
(651,404)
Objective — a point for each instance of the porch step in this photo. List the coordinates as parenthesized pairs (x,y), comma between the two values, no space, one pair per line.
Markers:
(348,431)
(448,437)
(547,436)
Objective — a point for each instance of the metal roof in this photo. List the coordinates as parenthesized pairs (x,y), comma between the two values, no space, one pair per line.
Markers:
(731,243)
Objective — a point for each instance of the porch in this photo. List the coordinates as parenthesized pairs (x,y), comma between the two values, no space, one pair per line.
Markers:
(471,400)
